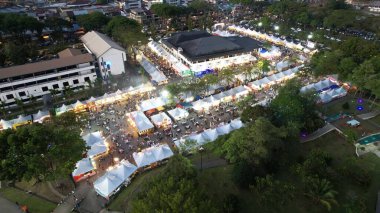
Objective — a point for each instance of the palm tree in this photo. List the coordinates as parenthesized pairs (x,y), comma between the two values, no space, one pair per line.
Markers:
(321,191)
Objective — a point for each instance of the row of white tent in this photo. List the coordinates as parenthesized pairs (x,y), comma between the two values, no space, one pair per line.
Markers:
(210,135)
(156,75)
(271,38)
(275,78)
(330,95)
(320,85)
(116,176)
(152,103)
(215,100)
(175,63)
(96,142)
(107,97)
(37,117)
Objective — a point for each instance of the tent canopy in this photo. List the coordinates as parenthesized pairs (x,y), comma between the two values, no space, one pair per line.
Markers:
(152,154)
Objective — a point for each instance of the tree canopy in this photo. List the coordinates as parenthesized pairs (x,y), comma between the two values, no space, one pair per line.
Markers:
(174,190)
(92,21)
(43,152)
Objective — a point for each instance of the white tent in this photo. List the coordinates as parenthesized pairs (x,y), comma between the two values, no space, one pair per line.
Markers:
(154,73)
(224,129)
(325,97)
(152,154)
(6,124)
(106,185)
(236,124)
(141,122)
(210,134)
(160,119)
(78,104)
(40,116)
(178,113)
(96,142)
(123,170)
(153,103)
(64,108)
(197,138)
(82,167)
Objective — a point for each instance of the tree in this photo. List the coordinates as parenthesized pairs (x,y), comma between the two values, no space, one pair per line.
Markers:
(274,194)
(321,191)
(251,113)
(292,108)
(315,165)
(93,21)
(20,104)
(43,152)
(227,75)
(174,190)
(255,143)
(18,54)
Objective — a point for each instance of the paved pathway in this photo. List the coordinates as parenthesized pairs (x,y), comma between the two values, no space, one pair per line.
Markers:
(7,206)
(369,115)
(319,133)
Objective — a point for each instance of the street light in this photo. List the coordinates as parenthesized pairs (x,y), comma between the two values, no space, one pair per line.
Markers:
(260,24)
(276,27)
(201,149)
(310,36)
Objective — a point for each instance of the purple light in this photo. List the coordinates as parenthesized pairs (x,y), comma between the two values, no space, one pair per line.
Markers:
(303,135)
(360,100)
(360,108)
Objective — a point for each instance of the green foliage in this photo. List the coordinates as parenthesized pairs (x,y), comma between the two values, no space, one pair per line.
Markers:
(18,24)
(168,11)
(231,204)
(244,174)
(321,191)
(174,190)
(346,106)
(250,113)
(43,152)
(274,194)
(126,31)
(340,19)
(316,164)
(255,143)
(292,108)
(92,21)
(19,53)
(353,170)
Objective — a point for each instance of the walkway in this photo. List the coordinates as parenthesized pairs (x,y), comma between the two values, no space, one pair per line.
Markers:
(8,206)
(319,133)
(369,115)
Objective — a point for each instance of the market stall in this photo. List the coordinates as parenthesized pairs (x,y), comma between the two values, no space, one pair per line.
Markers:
(178,114)
(96,142)
(83,169)
(140,122)
(152,155)
(161,120)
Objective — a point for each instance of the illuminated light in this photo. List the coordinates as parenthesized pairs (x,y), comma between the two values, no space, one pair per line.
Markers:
(165,93)
(276,27)
(45,37)
(116,159)
(360,100)
(360,108)
(260,24)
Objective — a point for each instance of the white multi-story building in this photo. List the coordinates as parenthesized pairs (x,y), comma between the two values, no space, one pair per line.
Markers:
(203,52)
(72,69)
(131,4)
(111,56)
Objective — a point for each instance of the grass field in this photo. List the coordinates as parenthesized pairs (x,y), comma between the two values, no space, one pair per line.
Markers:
(34,203)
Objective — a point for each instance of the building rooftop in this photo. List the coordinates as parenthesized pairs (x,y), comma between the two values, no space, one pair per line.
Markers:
(44,65)
(69,52)
(198,45)
(99,43)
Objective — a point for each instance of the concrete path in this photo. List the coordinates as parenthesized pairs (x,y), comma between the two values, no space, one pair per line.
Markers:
(319,133)
(7,206)
(369,115)
(52,189)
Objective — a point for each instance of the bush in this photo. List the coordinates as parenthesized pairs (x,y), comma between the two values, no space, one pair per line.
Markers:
(231,204)
(346,106)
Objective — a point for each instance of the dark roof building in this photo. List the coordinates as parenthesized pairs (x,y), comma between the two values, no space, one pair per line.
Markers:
(200,45)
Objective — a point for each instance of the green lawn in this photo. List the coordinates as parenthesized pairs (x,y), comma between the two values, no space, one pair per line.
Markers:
(34,203)
(335,106)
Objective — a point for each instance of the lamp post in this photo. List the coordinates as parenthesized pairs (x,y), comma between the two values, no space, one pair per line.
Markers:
(276,27)
(201,149)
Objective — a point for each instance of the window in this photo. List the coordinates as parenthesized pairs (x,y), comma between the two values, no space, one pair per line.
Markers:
(76,81)
(87,78)
(55,86)
(9,97)
(21,94)
(44,89)
(65,84)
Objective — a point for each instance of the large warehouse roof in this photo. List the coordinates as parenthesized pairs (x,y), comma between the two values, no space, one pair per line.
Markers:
(198,45)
